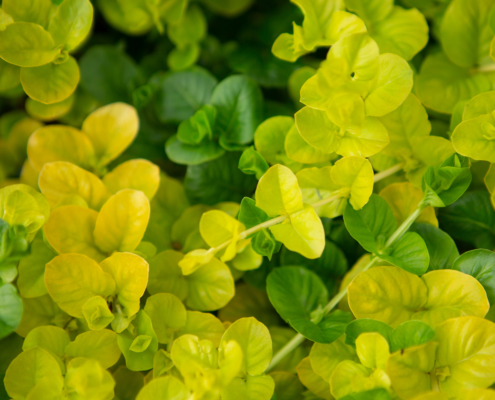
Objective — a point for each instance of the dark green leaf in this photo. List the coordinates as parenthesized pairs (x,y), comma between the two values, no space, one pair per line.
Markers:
(187,154)
(265,244)
(299,296)
(358,326)
(109,74)
(253,163)
(441,247)
(180,94)
(250,215)
(481,265)
(372,225)
(218,180)
(409,253)
(239,104)
(471,219)
(410,333)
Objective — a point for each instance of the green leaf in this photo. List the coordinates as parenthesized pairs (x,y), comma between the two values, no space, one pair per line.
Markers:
(372,225)
(71,23)
(187,154)
(441,248)
(409,334)
(444,184)
(364,325)
(265,244)
(9,75)
(180,94)
(299,296)
(409,253)
(141,360)
(51,83)
(471,219)
(238,101)
(250,215)
(27,45)
(481,265)
(465,32)
(441,84)
(167,314)
(127,383)
(218,180)
(375,394)
(11,309)
(252,163)
(108,74)
(163,387)
(198,127)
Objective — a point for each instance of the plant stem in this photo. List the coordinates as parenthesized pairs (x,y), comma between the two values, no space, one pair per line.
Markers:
(282,218)
(298,338)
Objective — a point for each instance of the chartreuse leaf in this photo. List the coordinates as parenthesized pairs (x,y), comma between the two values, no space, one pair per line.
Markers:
(50,338)
(315,383)
(73,279)
(467,50)
(203,325)
(31,281)
(70,230)
(409,369)
(167,314)
(61,180)
(163,387)
(481,265)
(444,184)
(261,387)
(51,83)
(165,275)
(96,313)
(299,150)
(122,221)
(299,296)
(88,376)
(130,273)
(140,345)
(269,140)
(404,198)
(38,12)
(111,129)
(279,194)
(287,385)
(217,227)
(134,174)
(49,112)
(441,84)
(28,369)
(96,345)
(325,357)
(437,296)
(27,44)
(10,75)
(71,23)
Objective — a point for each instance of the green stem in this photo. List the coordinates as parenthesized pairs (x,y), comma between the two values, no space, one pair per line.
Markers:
(385,174)
(298,339)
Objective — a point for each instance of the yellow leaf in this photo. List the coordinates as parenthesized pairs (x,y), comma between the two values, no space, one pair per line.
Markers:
(134,174)
(122,221)
(315,383)
(372,350)
(61,179)
(70,230)
(111,129)
(194,260)
(72,279)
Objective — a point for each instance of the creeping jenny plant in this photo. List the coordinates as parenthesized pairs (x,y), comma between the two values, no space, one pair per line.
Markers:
(247,200)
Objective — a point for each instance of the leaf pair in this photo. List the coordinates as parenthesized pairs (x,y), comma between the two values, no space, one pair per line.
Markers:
(393,296)
(83,288)
(38,43)
(119,226)
(105,134)
(36,374)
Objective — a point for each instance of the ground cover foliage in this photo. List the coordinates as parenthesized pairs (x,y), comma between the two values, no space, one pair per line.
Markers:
(241,199)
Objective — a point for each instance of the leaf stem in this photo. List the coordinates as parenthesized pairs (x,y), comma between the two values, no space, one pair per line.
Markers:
(298,339)
(390,171)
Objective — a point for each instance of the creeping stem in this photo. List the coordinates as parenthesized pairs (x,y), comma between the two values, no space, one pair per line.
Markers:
(275,221)
(298,338)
